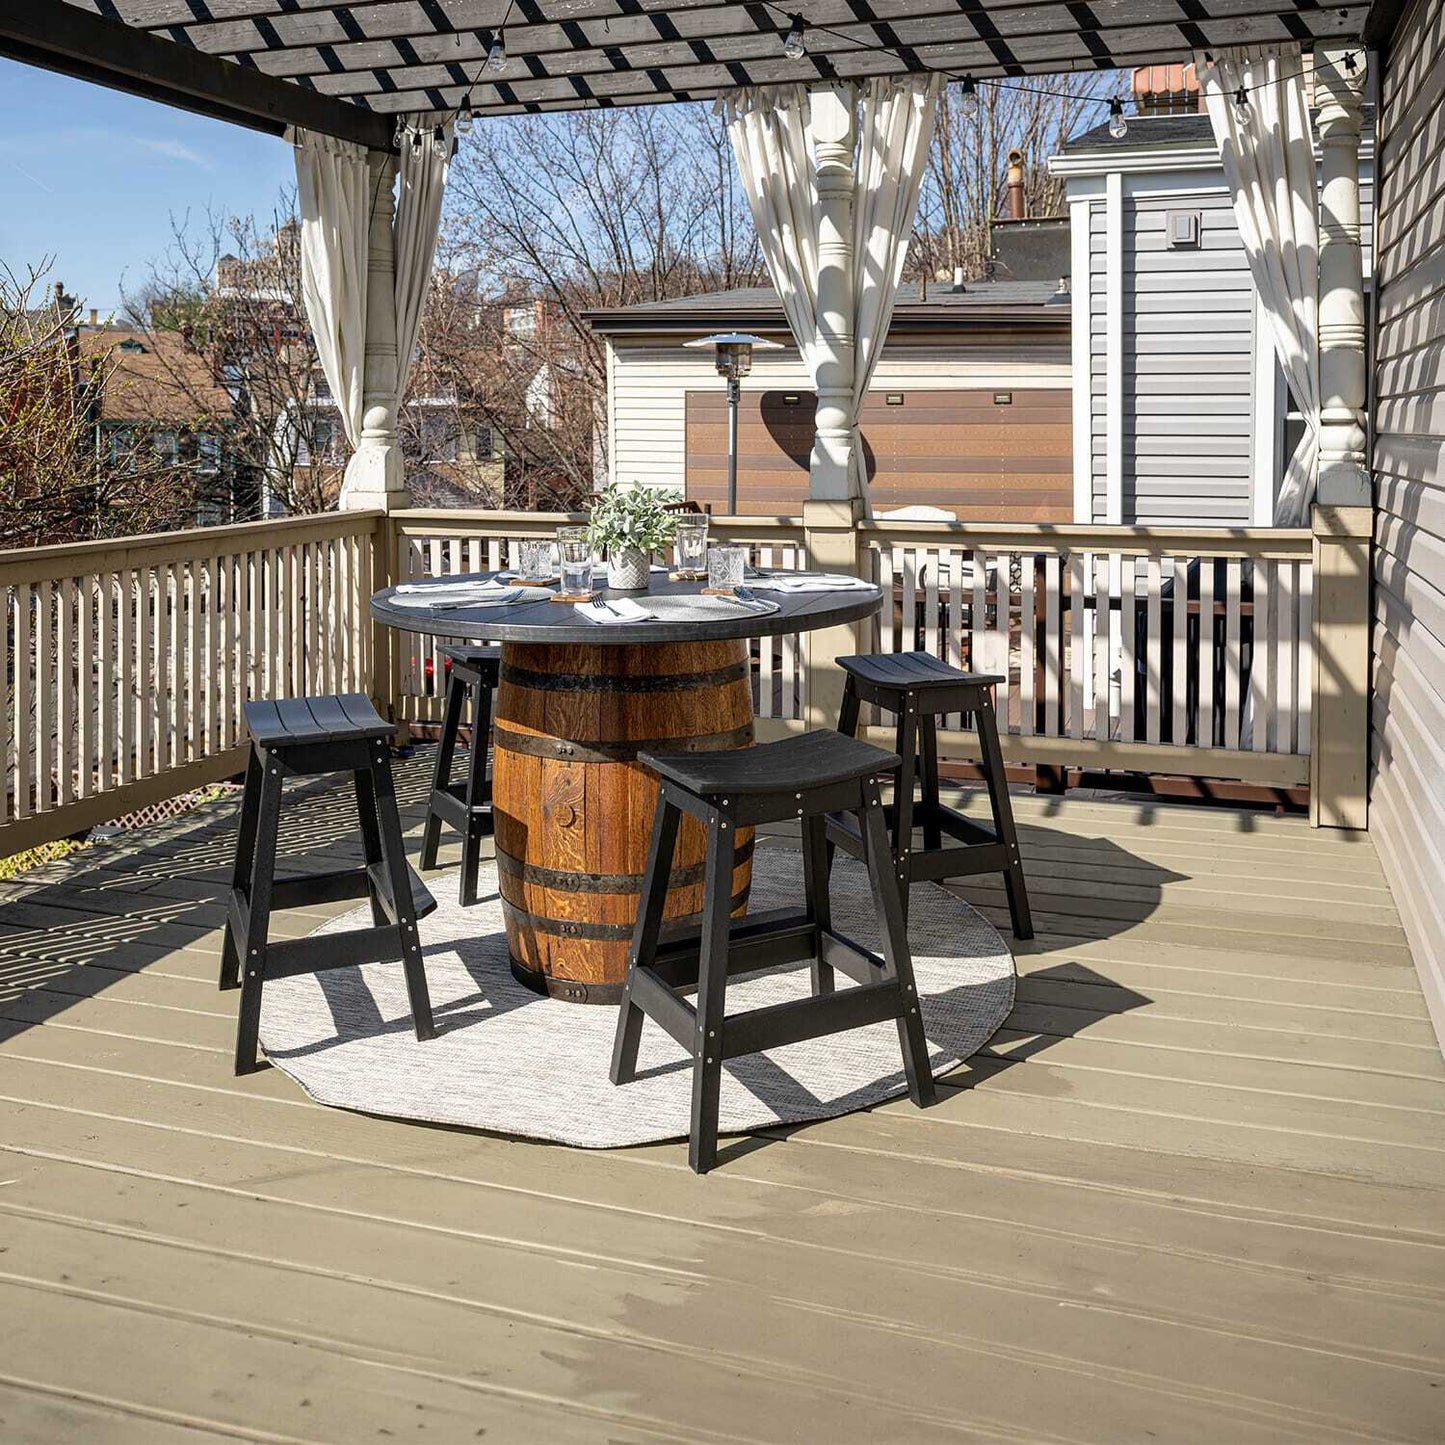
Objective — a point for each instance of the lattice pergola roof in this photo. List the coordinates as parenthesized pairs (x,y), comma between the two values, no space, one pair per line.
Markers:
(372,58)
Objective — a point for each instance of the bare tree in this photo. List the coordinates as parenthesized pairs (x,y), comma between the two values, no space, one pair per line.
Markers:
(56,484)
(963,192)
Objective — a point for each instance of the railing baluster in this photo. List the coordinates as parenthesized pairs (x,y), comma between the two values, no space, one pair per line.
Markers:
(22,732)
(1179,679)
(1153,651)
(1231,652)
(1260,650)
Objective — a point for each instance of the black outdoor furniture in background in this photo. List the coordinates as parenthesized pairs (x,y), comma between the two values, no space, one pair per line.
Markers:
(803,778)
(312,737)
(472,674)
(919,688)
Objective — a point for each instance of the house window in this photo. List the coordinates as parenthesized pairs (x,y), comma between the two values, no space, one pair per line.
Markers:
(122,446)
(483,446)
(437,436)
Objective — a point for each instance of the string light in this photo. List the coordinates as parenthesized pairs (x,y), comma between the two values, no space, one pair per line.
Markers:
(497,53)
(1243,112)
(968,101)
(463,124)
(794,46)
(1118,125)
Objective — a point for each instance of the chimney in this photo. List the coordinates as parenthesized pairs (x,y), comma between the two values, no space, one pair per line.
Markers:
(1014,185)
(1166,90)
(94,318)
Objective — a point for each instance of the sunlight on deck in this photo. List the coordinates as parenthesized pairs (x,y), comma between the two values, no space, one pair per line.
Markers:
(1194,1190)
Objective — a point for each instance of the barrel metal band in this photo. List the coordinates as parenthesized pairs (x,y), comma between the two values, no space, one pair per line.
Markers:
(597,932)
(611,682)
(564,882)
(567,750)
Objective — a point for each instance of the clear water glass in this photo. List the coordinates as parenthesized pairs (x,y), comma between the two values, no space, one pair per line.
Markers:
(538,564)
(725,568)
(690,541)
(576,554)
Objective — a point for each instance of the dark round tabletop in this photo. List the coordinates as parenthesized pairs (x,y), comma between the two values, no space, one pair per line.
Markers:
(547,621)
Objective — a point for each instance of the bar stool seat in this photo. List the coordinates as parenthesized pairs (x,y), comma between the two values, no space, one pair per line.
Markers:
(802,778)
(464,805)
(311,737)
(919,688)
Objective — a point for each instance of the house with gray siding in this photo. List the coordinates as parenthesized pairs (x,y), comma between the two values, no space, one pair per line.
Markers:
(1181,413)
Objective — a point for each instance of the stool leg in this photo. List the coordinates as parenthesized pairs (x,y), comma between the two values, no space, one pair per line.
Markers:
(394,854)
(815,895)
(442,772)
(263,871)
(887,902)
(932,833)
(370,836)
(848,712)
(241,870)
(478,792)
(644,938)
(906,746)
(712,979)
(1003,821)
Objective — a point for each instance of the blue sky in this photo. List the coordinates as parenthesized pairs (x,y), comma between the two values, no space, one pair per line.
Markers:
(90,177)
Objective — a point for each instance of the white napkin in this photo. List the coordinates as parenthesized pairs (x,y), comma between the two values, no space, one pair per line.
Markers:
(459,594)
(816,582)
(615,612)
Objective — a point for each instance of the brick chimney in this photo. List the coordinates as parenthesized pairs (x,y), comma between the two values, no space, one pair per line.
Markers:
(1166,90)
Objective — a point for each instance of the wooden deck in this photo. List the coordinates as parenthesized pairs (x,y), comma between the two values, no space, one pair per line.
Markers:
(1195,1191)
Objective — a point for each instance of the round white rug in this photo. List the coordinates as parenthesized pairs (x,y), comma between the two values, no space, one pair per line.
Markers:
(508,1060)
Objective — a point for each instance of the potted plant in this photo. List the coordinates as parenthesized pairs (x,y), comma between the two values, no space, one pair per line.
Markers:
(631,523)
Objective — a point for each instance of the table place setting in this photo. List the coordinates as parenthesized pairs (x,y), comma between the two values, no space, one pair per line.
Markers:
(615,611)
(443,595)
(796,582)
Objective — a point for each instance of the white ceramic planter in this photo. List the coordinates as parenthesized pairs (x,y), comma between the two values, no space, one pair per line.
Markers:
(628,569)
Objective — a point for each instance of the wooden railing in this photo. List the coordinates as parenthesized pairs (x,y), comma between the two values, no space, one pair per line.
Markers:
(127,662)
(1167,649)
(1187,651)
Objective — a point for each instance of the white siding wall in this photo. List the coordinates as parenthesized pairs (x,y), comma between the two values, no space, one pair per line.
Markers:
(650,379)
(1188,338)
(1407,802)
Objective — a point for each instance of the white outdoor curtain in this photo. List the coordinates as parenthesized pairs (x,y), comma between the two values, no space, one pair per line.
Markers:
(769,132)
(333,184)
(771,138)
(1269,165)
(423,172)
(894,135)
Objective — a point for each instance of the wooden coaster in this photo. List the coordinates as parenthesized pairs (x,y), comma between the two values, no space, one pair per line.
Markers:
(572,596)
(687,576)
(720,592)
(534,581)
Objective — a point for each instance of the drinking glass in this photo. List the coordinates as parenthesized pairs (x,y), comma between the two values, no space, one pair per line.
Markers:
(691,542)
(725,568)
(537,560)
(576,554)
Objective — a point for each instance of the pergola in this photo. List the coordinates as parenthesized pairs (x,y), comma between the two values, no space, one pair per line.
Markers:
(352,71)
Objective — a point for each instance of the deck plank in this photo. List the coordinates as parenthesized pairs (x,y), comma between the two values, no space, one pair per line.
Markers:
(1195,1187)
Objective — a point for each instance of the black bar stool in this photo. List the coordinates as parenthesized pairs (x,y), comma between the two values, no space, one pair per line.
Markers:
(466,805)
(919,688)
(310,737)
(802,777)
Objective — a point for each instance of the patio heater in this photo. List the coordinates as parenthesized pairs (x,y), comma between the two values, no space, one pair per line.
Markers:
(733,355)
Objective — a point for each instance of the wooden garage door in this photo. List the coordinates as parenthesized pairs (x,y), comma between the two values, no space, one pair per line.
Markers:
(990,456)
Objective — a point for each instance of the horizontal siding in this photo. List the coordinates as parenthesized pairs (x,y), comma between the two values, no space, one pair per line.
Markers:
(650,383)
(1407,800)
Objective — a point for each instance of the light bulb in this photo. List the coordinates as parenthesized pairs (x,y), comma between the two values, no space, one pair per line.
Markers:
(463,123)
(794,46)
(439,144)
(1118,125)
(497,53)
(968,101)
(1243,113)
(399,134)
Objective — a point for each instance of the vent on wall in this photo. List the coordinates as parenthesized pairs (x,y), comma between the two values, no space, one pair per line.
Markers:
(1182,230)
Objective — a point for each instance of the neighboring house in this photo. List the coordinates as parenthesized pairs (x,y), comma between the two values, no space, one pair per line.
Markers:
(154,401)
(1181,413)
(969,409)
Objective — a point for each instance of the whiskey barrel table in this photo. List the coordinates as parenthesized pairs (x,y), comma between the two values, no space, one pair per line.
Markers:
(571,806)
